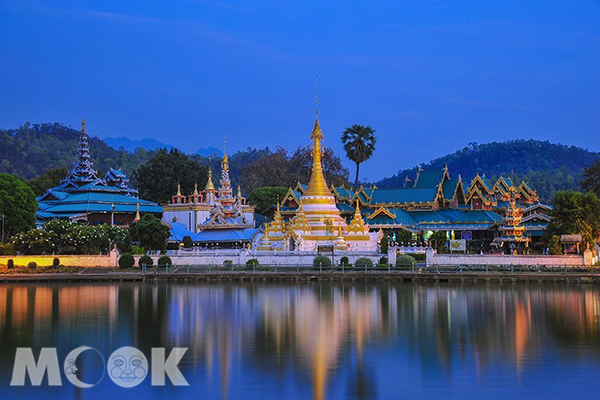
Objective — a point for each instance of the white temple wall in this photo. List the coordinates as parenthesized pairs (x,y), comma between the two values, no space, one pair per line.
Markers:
(283,258)
(500,259)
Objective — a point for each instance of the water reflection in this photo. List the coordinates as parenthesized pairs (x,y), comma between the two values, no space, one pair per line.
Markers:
(320,341)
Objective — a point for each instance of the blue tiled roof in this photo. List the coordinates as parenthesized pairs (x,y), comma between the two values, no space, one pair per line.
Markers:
(429,179)
(449,188)
(344,207)
(401,196)
(401,218)
(178,231)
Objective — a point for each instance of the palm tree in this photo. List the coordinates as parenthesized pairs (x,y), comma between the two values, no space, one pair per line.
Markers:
(359,143)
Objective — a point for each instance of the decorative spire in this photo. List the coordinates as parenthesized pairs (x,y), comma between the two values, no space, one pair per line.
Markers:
(83,170)
(195,188)
(239,192)
(225,182)
(209,182)
(178,189)
(317,186)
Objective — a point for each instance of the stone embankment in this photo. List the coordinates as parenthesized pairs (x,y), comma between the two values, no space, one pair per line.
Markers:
(90,276)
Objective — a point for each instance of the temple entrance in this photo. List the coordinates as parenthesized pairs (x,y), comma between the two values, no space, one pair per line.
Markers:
(291,243)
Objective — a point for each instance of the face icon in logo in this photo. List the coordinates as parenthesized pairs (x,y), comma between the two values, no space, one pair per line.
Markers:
(127,367)
(70,367)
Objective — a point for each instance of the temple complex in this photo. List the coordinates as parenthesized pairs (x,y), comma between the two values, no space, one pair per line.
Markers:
(434,201)
(85,197)
(211,216)
(316,222)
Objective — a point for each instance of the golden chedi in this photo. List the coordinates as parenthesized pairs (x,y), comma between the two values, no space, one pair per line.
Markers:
(317,222)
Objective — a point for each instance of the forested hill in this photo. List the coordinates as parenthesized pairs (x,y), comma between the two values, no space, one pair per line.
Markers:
(547,166)
(33,149)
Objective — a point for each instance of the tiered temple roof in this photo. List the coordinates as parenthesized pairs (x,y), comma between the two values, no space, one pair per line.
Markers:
(432,201)
(84,196)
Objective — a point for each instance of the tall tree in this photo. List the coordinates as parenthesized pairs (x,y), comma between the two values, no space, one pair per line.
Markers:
(157,179)
(575,213)
(17,204)
(266,196)
(359,143)
(47,180)
(150,233)
(301,165)
(591,178)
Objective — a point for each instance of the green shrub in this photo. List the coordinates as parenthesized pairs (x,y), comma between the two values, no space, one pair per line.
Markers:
(145,260)
(228,263)
(138,250)
(384,244)
(253,262)
(187,242)
(55,262)
(32,265)
(322,261)
(344,261)
(126,261)
(165,260)
(421,257)
(383,261)
(7,249)
(405,260)
(363,262)
(10,264)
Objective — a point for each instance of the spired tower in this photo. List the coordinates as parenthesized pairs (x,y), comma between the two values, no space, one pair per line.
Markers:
(511,232)
(317,222)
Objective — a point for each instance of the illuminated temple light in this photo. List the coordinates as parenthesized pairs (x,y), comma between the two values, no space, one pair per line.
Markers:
(316,221)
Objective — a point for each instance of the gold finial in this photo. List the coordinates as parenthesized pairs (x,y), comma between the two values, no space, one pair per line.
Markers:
(317,186)
(340,230)
(209,182)
(83,125)
(225,162)
(195,188)
(137,213)
(317,95)
(239,192)
(178,189)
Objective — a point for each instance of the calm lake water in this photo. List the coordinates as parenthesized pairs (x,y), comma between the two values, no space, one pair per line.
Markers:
(316,341)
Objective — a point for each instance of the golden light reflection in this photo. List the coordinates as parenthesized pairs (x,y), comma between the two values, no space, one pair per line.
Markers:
(313,332)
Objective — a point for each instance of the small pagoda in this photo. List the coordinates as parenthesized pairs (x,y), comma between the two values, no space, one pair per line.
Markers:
(511,230)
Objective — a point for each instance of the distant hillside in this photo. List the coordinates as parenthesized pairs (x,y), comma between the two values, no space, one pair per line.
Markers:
(131,145)
(33,149)
(548,166)
(209,152)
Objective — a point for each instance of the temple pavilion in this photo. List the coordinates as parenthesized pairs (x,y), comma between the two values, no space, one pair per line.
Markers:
(315,222)
(85,197)
(211,217)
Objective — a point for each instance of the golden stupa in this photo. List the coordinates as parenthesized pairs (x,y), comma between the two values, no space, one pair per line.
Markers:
(317,223)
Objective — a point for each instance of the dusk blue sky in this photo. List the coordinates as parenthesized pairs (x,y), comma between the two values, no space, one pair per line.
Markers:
(429,76)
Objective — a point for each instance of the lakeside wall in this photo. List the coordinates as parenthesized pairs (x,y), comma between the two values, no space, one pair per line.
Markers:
(240,257)
(432,258)
(290,258)
(199,258)
(109,260)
